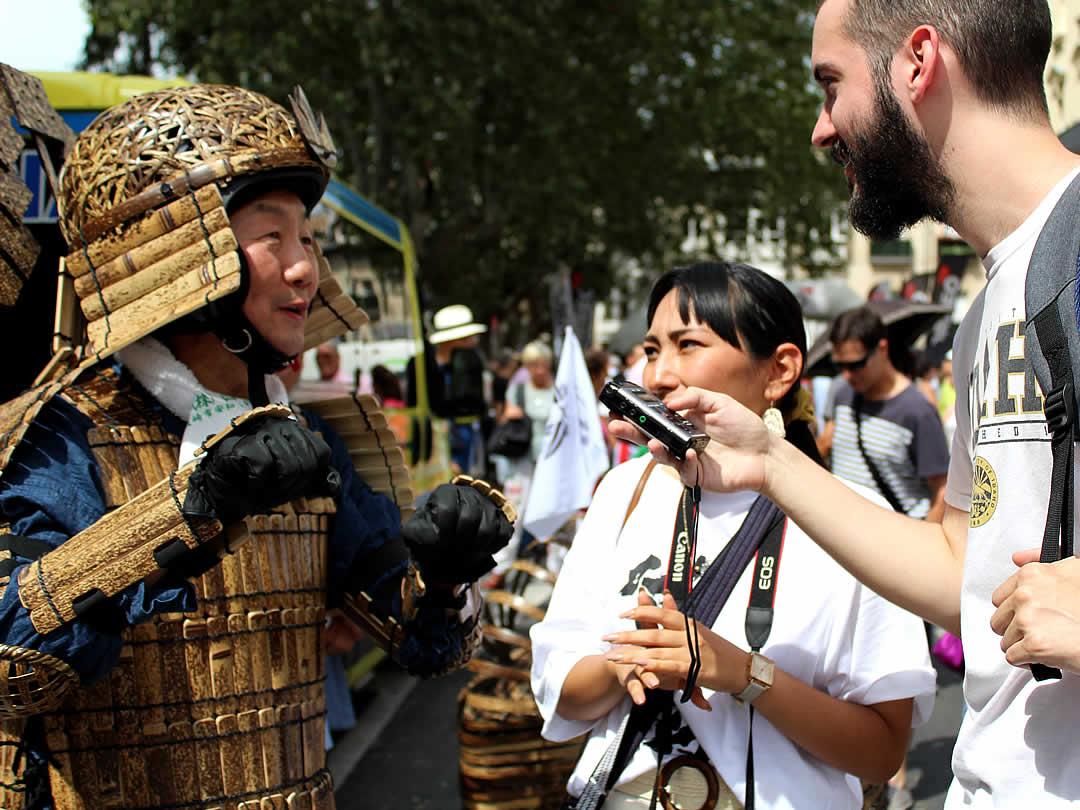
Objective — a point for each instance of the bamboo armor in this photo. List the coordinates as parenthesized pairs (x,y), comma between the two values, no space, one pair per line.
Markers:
(23,100)
(125,546)
(150,236)
(222,707)
(219,708)
(169,263)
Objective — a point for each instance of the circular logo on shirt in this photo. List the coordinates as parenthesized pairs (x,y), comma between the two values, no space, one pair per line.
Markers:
(984,492)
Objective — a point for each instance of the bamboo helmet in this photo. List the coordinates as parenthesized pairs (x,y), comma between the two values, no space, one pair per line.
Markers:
(144,200)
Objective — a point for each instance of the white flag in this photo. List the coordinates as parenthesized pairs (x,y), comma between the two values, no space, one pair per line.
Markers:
(574,455)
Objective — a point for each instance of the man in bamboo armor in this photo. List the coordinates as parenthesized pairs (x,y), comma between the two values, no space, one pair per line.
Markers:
(174,535)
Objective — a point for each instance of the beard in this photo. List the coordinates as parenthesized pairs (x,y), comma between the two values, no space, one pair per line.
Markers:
(898,181)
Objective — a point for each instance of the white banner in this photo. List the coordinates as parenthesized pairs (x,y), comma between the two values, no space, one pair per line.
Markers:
(574,455)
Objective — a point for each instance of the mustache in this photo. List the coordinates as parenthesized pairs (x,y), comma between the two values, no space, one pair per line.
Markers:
(841,154)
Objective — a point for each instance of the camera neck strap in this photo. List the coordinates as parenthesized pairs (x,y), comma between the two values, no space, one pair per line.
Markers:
(759,616)
(680,574)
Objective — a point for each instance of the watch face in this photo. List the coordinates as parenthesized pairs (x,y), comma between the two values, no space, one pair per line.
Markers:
(761,669)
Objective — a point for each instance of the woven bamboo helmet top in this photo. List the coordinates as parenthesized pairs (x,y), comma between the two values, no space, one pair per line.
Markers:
(155,138)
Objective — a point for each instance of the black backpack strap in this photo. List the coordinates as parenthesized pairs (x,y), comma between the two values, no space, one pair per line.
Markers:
(1060,411)
(1051,341)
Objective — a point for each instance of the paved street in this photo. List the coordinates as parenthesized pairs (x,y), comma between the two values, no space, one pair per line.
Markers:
(411,763)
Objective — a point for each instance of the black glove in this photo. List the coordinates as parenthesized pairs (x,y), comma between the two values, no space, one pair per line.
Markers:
(453,535)
(263,463)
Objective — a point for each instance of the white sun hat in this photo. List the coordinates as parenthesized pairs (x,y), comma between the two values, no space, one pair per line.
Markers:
(453,322)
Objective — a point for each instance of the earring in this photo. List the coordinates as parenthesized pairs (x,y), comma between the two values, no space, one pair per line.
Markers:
(774,421)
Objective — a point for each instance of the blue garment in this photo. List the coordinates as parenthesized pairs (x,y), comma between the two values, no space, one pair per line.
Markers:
(51,490)
(340,714)
(463,444)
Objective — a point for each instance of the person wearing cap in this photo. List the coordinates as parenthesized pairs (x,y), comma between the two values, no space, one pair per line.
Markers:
(455,381)
(172,553)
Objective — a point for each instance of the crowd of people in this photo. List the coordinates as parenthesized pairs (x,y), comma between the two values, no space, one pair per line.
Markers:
(184,545)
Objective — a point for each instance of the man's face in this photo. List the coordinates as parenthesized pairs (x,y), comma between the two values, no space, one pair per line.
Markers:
(893,175)
(897,179)
(276,237)
(861,368)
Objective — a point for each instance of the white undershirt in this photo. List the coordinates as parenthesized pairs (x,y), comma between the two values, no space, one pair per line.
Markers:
(174,385)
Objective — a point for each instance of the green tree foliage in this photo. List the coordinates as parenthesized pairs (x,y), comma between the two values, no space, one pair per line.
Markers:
(514,138)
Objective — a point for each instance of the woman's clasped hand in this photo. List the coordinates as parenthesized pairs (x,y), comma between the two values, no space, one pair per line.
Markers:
(660,652)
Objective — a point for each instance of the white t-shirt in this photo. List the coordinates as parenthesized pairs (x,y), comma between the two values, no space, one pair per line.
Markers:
(828,631)
(1017,745)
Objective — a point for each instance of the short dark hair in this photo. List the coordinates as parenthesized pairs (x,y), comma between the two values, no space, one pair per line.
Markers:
(861,324)
(745,306)
(1002,47)
(749,309)
(385,383)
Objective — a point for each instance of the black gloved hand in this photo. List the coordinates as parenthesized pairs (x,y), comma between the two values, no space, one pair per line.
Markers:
(453,535)
(263,463)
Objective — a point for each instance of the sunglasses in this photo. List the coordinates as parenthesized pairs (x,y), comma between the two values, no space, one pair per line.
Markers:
(854,365)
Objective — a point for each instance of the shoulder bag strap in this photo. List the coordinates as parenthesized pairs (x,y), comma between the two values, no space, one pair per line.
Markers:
(637,492)
(710,594)
(879,479)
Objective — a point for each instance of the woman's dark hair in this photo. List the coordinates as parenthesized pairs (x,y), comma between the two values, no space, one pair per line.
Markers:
(747,308)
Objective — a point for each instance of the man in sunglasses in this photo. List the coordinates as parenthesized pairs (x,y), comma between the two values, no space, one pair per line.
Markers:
(886,435)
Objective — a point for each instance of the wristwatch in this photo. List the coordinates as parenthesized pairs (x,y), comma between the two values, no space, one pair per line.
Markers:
(760,671)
